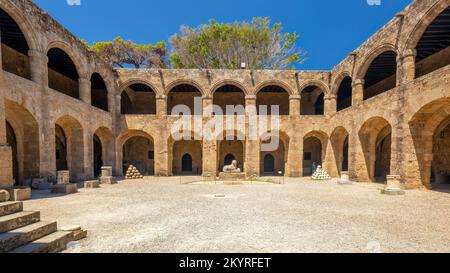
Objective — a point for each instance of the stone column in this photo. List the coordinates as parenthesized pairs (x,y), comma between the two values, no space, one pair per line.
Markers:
(294,105)
(330,105)
(88,154)
(357,92)
(161,157)
(38,67)
(47,149)
(112,102)
(252,146)
(6,168)
(407,66)
(161,105)
(294,164)
(210,167)
(330,160)
(85,89)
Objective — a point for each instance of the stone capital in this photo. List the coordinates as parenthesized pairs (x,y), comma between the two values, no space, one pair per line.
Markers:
(358,82)
(295,97)
(161,97)
(250,97)
(34,53)
(84,80)
(408,53)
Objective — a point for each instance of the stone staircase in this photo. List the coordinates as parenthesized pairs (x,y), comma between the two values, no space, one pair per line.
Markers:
(24,232)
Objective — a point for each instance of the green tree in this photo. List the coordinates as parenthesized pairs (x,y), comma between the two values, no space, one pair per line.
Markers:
(120,53)
(259,44)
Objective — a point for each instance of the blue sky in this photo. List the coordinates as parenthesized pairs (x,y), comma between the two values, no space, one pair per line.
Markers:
(329,29)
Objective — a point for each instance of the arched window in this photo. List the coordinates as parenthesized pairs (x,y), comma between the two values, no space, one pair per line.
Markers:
(229,95)
(62,73)
(433,49)
(381,75)
(184,94)
(273,95)
(138,99)
(14,47)
(344,94)
(312,101)
(99,92)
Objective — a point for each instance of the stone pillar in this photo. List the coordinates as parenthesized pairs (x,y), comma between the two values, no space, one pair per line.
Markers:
(294,164)
(161,105)
(357,92)
(210,167)
(294,105)
(38,67)
(88,155)
(207,102)
(112,102)
(330,160)
(393,186)
(252,146)
(330,105)
(85,89)
(47,149)
(161,157)
(407,66)
(6,168)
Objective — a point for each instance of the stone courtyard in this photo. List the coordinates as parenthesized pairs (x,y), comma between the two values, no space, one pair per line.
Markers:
(162,215)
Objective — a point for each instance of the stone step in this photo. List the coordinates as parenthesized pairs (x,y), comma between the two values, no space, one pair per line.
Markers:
(21,236)
(55,242)
(7,208)
(18,220)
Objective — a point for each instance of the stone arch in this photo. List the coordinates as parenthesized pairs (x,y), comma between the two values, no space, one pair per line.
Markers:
(379,71)
(320,84)
(179,148)
(314,150)
(26,133)
(184,93)
(99,92)
(419,29)
(340,143)
(78,60)
(178,82)
(279,155)
(433,47)
(424,125)
(132,81)
(375,138)
(224,82)
(137,97)
(274,93)
(135,147)
(14,47)
(24,24)
(312,99)
(63,72)
(103,155)
(231,143)
(228,92)
(73,142)
(344,92)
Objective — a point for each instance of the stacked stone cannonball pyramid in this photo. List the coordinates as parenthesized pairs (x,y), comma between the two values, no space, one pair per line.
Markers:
(320,174)
(133,173)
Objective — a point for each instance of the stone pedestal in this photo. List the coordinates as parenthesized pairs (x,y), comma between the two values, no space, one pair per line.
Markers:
(231,176)
(107,171)
(65,188)
(345,179)
(393,186)
(19,193)
(92,184)
(108,180)
(63,177)
(40,184)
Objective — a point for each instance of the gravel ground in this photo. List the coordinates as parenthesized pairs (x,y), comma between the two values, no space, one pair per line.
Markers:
(161,215)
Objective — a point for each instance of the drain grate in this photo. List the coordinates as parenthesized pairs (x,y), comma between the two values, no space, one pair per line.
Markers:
(219,196)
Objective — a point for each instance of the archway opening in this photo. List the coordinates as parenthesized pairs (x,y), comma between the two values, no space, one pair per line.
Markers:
(14,47)
(70,147)
(269,164)
(12,142)
(433,48)
(312,154)
(375,138)
(139,152)
(99,92)
(186,163)
(344,94)
(381,75)
(273,96)
(440,165)
(230,150)
(138,99)
(62,73)
(187,157)
(339,141)
(312,101)
(232,96)
(98,156)
(184,94)
(273,161)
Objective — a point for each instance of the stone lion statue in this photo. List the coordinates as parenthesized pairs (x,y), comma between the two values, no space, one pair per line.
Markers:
(233,168)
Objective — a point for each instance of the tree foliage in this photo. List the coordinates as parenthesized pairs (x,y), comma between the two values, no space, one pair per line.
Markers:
(121,53)
(258,44)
